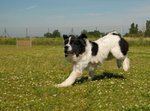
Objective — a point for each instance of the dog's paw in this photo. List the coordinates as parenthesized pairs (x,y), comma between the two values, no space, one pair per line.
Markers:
(58,85)
(62,85)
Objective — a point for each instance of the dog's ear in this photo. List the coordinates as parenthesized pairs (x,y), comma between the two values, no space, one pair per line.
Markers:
(82,36)
(65,36)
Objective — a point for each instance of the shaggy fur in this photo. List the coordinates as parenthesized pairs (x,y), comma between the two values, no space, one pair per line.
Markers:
(87,54)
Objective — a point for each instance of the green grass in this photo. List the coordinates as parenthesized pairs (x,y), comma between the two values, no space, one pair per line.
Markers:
(27,76)
(35,41)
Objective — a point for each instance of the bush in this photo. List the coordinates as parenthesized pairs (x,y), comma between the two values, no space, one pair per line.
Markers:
(140,41)
(7,41)
(47,41)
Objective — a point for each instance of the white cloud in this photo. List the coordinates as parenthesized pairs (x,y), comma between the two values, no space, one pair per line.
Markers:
(31,7)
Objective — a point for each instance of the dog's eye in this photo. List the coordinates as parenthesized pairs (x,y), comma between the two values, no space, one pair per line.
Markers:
(72,42)
(66,41)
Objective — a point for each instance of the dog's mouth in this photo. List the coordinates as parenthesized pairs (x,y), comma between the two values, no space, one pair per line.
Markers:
(67,53)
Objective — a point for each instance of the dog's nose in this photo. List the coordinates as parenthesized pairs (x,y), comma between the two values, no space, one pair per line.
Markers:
(66,47)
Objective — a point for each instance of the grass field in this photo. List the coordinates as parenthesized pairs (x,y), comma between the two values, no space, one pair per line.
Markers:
(27,76)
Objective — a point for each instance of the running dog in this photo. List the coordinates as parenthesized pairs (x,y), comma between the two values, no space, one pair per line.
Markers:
(86,54)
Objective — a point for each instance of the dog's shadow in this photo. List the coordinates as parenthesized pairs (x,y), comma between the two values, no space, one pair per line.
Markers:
(104,75)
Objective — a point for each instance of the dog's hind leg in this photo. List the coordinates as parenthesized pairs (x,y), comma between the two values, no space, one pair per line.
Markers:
(119,62)
(126,63)
(92,68)
(122,60)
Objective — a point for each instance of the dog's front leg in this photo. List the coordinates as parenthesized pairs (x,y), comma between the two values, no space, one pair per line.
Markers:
(73,76)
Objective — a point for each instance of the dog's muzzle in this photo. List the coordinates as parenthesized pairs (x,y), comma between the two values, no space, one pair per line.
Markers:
(66,51)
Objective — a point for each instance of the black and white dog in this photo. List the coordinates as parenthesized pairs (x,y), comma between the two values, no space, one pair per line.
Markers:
(87,54)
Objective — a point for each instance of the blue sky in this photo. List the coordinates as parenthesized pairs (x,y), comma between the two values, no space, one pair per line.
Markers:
(38,15)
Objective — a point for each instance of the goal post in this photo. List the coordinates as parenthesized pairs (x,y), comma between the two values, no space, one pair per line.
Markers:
(24,42)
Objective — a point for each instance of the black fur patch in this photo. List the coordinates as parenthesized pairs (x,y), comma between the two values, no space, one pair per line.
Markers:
(123,46)
(116,34)
(65,37)
(94,48)
(82,36)
(79,46)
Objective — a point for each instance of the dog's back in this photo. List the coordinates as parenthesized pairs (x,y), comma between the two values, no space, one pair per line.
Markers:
(112,44)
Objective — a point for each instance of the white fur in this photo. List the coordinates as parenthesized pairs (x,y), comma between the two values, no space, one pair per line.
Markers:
(106,44)
(69,46)
(126,64)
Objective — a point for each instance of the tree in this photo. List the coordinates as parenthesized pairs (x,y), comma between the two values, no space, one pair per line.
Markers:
(147,31)
(56,33)
(97,33)
(48,35)
(133,29)
(84,31)
(94,33)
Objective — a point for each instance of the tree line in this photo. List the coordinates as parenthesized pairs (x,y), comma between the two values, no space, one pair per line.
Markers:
(133,32)
(56,33)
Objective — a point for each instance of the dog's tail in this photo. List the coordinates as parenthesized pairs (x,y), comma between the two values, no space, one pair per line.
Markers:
(126,64)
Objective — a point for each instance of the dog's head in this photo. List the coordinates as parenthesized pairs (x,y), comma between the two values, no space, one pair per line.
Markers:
(74,45)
